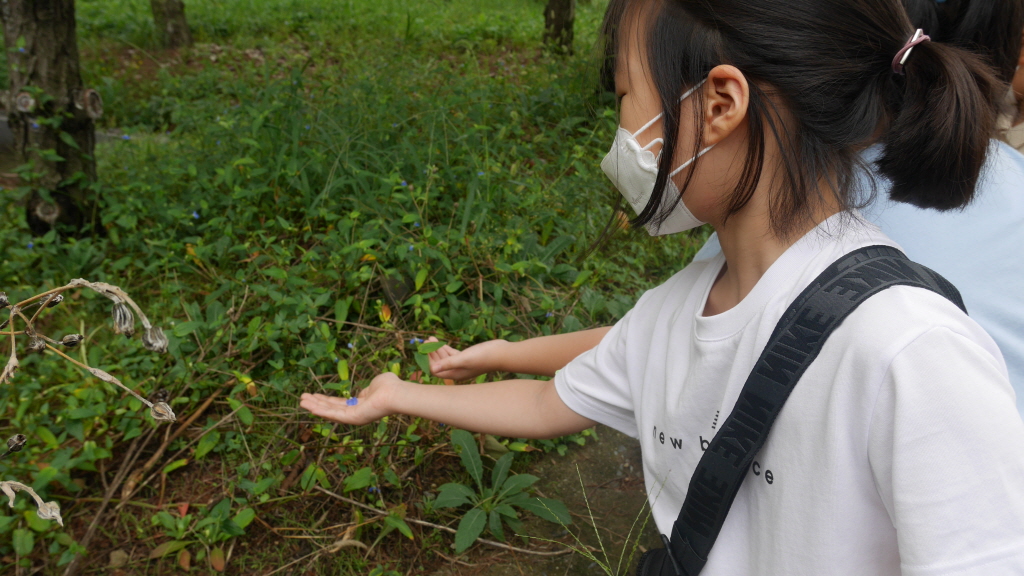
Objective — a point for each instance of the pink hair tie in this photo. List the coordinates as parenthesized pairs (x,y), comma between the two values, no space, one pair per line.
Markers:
(904,53)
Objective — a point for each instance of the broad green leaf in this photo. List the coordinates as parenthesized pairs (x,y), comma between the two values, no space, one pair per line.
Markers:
(518,446)
(548,509)
(516,484)
(495,526)
(24,541)
(500,471)
(423,362)
(467,446)
(44,434)
(581,278)
(421,277)
(343,369)
(35,522)
(186,328)
(506,510)
(207,443)
(175,465)
(429,347)
(453,495)
(243,412)
(166,548)
(470,527)
(244,517)
(398,523)
(359,479)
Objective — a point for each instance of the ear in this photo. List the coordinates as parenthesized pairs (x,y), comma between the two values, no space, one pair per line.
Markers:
(726,97)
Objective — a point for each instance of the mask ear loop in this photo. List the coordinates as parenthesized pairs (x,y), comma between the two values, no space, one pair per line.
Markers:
(658,117)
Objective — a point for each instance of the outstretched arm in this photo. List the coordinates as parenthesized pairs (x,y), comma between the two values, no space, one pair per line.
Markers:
(513,408)
(542,356)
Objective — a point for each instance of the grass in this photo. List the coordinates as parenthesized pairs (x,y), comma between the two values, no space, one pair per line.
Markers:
(296,199)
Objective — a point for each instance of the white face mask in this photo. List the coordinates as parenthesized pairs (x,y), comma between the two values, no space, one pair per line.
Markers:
(633,169)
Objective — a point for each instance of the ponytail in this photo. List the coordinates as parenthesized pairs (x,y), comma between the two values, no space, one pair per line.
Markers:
(942,113)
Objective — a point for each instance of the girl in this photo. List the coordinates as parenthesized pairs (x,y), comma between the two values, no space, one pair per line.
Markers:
(900,451)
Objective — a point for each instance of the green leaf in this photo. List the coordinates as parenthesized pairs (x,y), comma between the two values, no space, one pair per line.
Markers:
(186,328)
(581,278)
(207,443)
(429,347)
(399,524)
(35,522)
(506,510)
(243,412)
(495,526)
(518,446)
(244,517)
(516,484)
(423,362)
(500,471)
(44,434)
(217,559)
(467,447)
(453,495)
(166,548)
(359,479)
(175,465)
(24,541)
(548,509)
(343,370)
(421,277)
(470,527)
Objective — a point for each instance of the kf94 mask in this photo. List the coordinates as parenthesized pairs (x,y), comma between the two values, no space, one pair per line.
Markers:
(633,169)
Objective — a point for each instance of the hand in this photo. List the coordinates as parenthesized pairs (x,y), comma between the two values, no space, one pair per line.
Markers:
(372,404)
(447,362)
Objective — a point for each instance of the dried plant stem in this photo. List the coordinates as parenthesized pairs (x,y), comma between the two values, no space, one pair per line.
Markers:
(94,371)
(444,528)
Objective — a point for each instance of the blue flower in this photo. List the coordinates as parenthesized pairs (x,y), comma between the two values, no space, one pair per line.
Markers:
(411,248)
(22,49)
(373,490)
(195,215)
(480,173)
(307,126)
(549,315)
(350,346)
(35,126)
(126,137)
(31,245)
(352,401)
(404,183)
(415,224)
(394,124)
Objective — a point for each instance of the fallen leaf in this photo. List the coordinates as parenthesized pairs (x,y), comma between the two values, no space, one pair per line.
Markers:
(183,509)
(345,543)
(448,382)
(217,559)
(185,559)
(385,313)
(118,558)
(368,258)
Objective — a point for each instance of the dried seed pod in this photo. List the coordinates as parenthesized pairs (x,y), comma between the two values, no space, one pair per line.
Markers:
(124,321)
(9,370)
(50,511)
(161,411)
(154,339)
(54,300)
(36,345)
(4,302)
(16,443)
(72,340)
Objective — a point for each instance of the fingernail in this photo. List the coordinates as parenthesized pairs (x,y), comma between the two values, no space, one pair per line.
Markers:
(352,401)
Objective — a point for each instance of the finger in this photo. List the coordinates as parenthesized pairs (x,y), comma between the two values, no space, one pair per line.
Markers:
(431,339)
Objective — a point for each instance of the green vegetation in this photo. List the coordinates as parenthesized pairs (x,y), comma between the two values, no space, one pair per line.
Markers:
(299,200)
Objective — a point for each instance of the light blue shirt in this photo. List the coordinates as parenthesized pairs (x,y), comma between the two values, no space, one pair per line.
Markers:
(979,249)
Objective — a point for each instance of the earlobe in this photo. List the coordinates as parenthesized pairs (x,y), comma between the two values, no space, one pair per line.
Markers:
(726,97)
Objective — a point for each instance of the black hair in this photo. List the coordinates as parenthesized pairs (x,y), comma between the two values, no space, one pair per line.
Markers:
(990,28)
(826,67)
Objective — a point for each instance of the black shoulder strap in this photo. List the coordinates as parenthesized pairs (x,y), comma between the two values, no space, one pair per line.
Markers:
(793,345)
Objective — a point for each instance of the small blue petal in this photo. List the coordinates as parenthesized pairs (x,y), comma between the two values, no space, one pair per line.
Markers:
(411,248)
(479,173)
(35,126)
(126,137)
(413,341)
(307,126)
(404,183)
(31,245)
(218,142)
(352,401)
(22,50)
(394,125)
(195,215)
(415,224)
(548,315)
(350,346)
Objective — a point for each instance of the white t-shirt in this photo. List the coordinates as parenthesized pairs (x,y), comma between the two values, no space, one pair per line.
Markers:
(900,450)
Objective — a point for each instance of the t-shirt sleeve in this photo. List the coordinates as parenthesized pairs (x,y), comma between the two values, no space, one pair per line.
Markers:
(946,447)
(595,384)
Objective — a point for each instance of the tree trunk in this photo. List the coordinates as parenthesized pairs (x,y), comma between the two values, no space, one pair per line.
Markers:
(50,113)
(171,25)
(559,16)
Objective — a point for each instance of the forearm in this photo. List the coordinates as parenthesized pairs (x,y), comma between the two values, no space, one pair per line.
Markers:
(513,408)
(548,354)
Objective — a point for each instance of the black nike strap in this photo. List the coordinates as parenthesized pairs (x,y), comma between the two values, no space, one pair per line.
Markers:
(793,345)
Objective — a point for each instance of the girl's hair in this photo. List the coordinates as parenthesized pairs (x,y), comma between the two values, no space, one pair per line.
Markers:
(822,85)
(991,28)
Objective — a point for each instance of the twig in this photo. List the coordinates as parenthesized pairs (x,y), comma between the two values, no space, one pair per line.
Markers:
(440,527)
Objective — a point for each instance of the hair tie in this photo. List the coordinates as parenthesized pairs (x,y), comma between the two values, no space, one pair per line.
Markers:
(901,57)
